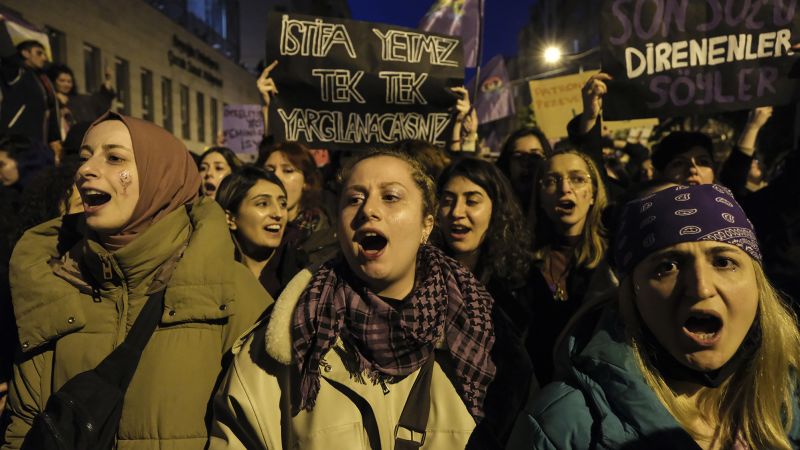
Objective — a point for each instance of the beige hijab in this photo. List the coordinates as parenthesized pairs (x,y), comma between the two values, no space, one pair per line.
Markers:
(168,177)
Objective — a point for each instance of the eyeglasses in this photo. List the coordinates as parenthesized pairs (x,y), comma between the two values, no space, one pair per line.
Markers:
(577,180)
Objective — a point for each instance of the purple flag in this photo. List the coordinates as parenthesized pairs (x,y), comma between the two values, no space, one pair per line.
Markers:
(493,100)
(456,18)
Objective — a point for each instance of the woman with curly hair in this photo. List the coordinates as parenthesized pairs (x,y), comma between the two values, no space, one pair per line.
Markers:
(482,227)
(569,249)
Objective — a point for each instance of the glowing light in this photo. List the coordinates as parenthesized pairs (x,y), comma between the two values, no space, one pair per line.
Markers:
(552,55)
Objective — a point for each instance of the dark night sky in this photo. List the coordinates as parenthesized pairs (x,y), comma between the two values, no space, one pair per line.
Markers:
(502,19)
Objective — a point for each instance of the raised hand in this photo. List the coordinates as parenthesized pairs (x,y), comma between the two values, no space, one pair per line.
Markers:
(592,93)
(266,85)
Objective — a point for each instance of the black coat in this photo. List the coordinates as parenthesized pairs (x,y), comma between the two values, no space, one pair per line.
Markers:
(29,106)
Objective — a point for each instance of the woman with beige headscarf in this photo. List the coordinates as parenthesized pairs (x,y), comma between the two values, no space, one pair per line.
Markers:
(78,284)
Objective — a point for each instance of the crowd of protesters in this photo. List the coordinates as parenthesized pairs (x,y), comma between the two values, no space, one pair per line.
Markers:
(403,297)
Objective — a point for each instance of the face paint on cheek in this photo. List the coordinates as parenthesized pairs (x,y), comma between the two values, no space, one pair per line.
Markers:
(125,180)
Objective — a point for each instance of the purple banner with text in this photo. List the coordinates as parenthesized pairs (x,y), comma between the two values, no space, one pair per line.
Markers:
(680,57)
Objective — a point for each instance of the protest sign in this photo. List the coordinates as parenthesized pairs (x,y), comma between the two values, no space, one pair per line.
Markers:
(556,101)
(243,129)
(678,57)
(353,85)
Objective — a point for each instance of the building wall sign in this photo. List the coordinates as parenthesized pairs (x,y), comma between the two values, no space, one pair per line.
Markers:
(185,56)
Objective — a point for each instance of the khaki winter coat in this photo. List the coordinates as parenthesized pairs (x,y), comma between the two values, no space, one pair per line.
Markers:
(210,300)
(248,410)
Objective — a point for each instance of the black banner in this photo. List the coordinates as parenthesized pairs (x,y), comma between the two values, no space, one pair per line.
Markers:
(682,57)
(352,85)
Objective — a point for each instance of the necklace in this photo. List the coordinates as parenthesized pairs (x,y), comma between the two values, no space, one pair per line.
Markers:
(559,293)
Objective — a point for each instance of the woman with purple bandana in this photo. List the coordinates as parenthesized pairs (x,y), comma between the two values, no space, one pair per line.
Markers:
(696,350)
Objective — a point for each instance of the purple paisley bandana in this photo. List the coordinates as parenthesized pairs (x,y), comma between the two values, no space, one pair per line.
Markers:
(679,214)
(448,304)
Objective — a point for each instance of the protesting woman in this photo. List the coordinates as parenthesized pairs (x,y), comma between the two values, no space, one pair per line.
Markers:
(481,226)
(254,201)
(569,249)
(78,285)
(388,344)
(216,163)
(310,227)
(696,350)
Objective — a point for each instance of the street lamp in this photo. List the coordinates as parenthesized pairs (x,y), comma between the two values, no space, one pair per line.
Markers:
(552,55)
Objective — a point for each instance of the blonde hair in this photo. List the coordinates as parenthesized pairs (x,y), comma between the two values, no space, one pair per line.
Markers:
(756,401)
(593,244)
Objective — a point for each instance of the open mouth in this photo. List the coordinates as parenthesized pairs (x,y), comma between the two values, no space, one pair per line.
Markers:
(703,327)
(210,188)
(273,228)
(372,244)
(565,207)
(92,198)
(459,231)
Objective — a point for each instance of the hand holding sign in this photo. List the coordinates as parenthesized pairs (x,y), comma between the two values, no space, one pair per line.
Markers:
(593,92)
(266,85)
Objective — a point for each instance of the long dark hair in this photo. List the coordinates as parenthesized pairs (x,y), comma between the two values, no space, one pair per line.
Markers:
(57,69)
(505,253)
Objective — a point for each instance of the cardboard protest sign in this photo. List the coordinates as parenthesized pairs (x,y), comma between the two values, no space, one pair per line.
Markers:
(352,85)
(678,57)
(556,101)
(243,129)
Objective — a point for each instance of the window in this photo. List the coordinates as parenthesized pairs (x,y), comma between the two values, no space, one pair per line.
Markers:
(91,67)
(123,80)
(58,44)
(201,117)
(186,131)
(212,111)
(147,95)
(166,103)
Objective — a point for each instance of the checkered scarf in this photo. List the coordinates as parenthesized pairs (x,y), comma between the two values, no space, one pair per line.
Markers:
(308,220)
(395,340)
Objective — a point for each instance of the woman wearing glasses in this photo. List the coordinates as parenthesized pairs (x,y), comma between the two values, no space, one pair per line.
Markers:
(569,248)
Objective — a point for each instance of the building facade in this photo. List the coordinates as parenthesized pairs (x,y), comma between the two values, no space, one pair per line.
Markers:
(177,72)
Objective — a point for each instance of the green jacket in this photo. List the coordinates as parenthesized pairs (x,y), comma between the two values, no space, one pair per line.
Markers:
(65,329)
(604,401)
